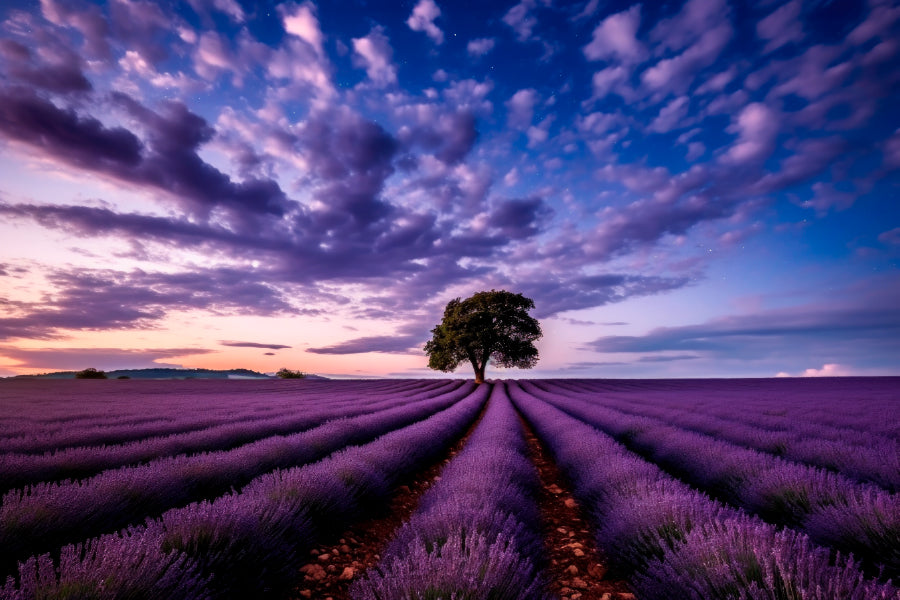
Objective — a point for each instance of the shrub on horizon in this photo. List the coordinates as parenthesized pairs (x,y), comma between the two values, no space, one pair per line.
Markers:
(90,373)
(288,374)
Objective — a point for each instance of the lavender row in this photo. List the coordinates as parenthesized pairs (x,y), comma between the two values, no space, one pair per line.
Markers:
(246,544)
(45,516)
(675,542)
(17,470)
(819,406)
(777,403)
(831,509)
(476,532)
(864,456)
(257,401)
(38,401)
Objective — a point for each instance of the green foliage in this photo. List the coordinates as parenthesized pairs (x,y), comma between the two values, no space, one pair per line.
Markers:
(490,326)
(90,373)
(288,374)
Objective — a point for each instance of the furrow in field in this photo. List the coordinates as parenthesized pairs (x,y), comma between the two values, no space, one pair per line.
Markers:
(576,567)
(333,566)
(476,532)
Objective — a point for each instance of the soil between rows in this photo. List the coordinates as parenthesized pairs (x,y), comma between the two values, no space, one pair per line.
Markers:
(333,566)
(575,567)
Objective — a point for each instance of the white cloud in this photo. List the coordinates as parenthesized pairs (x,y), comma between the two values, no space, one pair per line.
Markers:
(480,47)
(670,115)
(588,11)
(696,18)
(695,150)
(422,19)
(609,80)
(781,27)
(677,73)
(615,37)
(374,53)
(757,128)
(890,237)
(827,370)
(301,21)
(826,197)
(519,17)
(231,8)
(538,134)
(511,178)
(521,108)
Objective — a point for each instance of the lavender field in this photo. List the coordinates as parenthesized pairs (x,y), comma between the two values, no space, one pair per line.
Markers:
(690,489)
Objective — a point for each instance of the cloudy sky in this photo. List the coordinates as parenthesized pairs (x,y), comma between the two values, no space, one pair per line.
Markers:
(706,188)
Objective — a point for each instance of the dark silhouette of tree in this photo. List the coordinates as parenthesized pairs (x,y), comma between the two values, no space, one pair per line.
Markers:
(90,373)
(490,326)
(288,374)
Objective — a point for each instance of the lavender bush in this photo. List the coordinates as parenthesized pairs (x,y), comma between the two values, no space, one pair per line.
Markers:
(475,534)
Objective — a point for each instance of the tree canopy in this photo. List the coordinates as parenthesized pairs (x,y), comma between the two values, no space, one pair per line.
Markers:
(489,326)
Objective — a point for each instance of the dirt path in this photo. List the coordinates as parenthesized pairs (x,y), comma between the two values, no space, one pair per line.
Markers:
(333,566)
(575,566)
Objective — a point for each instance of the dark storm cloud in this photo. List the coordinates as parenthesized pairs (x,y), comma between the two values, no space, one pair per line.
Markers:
(98,300)
(90,221)
(253,345)
(174,136)
(168,160)
(102,358)
(450,137)
(517,219)
(63,75)
(350,159)
(79,141)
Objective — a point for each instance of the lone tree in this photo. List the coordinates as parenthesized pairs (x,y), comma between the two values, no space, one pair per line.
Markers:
(491,325)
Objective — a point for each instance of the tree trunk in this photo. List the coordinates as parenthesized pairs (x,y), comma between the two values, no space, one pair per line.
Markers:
(479,374)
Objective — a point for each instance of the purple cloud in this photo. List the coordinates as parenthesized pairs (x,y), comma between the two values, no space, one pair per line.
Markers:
(70,359)
(102,300)
(862,323)
(63,75)
(517,219)
(253,345)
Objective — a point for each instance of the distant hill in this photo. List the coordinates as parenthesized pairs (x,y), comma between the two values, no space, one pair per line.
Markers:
(166,374)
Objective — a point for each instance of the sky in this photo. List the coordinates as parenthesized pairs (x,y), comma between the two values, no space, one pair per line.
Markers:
(697,189)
